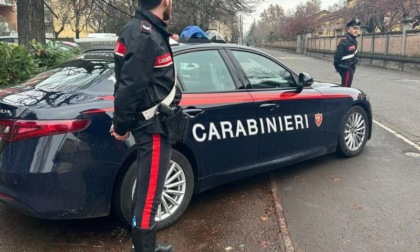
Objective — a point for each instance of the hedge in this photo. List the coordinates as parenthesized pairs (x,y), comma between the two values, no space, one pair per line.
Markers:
(18,63)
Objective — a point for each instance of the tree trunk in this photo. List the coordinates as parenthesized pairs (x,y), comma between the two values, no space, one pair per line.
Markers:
(30,15)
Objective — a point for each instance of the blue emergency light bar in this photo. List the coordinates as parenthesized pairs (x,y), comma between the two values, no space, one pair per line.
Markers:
(193,34)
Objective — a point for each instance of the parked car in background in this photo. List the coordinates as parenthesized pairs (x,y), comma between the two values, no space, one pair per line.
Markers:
(9,39)
(101,35)
(63,45)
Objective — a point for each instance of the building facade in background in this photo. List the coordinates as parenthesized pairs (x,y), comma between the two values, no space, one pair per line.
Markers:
(8,18)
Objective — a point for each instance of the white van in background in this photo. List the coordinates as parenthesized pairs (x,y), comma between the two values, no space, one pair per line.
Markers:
(101,35)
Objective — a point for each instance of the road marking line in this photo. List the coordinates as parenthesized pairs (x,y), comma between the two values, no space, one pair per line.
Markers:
(286,241)
(397,135)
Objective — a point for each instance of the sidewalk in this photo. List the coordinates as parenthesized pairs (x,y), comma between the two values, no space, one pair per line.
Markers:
(235,217)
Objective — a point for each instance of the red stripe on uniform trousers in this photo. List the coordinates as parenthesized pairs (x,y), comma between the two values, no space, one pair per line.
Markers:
(346,83)
(154,173)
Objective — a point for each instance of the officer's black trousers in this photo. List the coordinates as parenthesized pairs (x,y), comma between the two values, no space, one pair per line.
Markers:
(347,77)
(153,158)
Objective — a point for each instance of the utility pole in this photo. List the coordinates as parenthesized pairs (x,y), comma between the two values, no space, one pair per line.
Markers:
(241,29)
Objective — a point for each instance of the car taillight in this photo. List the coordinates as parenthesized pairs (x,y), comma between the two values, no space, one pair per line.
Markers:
(5,196)
(15,130)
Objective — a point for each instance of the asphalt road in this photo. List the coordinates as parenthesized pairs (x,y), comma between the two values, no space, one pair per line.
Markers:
(366,203)
(395,95)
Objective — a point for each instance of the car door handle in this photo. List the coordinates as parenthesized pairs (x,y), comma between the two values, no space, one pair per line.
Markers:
(271,106)
(193,112)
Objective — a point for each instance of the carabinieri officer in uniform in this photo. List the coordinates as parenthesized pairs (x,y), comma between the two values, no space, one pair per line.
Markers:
(345,60)
(145,79)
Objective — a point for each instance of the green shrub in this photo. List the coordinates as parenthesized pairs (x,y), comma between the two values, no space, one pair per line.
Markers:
(51,54)
(17,64)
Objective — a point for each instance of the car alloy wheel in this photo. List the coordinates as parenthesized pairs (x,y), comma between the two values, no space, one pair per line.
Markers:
(176,194)
(353,132)
(173,192)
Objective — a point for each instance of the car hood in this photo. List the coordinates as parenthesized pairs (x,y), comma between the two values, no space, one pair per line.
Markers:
(323,85)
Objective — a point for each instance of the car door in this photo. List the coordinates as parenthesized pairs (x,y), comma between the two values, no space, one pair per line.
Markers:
(220,107)
(289,120)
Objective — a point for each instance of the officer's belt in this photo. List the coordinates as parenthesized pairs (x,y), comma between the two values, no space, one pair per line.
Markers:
(349,56)
(151,112)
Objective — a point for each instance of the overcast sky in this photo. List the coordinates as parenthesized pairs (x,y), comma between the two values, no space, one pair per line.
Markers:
(286,4)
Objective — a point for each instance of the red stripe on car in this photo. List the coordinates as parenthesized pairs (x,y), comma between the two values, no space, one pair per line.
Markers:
(231,98)
(208,99)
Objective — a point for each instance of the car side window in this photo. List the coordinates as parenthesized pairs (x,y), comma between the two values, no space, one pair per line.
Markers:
(262,72)
(204,71)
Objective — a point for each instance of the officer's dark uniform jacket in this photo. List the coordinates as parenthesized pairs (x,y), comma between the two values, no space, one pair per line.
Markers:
(144,72)
(345,56)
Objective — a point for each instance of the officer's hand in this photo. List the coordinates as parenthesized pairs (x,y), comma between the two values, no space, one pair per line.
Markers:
(175,37)
(122,138)
(118,137)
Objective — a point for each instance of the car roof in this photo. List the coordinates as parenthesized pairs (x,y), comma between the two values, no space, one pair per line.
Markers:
(92,44)
(182,46)
(107,52)
(102,48)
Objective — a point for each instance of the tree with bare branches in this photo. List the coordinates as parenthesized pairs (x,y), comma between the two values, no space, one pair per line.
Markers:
(204,12)
(111,15)
(275,17)
(81,10)
(60,16)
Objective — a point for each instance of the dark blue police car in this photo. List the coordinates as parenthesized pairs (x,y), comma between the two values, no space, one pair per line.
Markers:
(250,114)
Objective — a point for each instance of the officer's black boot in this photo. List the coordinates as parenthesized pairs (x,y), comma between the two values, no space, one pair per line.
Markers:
(163,248)
(144,240)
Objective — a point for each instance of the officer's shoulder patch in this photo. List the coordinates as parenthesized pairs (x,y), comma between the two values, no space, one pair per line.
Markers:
(145,26)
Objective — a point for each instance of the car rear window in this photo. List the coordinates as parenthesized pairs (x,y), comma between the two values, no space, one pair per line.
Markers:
(94,76)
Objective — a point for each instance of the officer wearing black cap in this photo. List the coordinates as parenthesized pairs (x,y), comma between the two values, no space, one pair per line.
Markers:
(145,83)
(345,60)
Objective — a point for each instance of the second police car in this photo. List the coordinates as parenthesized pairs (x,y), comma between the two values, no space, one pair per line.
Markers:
(249,114)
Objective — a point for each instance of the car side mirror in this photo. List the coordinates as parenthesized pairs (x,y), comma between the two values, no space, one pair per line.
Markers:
(305,80)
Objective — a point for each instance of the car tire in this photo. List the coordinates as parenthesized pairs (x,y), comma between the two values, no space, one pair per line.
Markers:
(353,132)
(175,199)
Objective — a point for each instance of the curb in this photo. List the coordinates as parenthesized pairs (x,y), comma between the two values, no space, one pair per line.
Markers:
(286,241)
